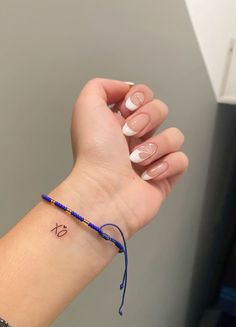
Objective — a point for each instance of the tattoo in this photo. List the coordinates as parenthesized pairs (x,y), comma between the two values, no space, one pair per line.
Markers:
(62,232)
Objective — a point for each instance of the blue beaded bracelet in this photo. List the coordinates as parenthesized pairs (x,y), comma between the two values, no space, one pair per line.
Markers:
(121,247)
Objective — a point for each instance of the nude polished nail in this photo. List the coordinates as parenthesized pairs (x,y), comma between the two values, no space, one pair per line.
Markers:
(134,101)
(136,124)
(155,171)
(143,152)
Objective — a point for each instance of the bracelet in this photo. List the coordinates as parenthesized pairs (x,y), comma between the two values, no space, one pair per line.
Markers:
(3,323)
(121,247)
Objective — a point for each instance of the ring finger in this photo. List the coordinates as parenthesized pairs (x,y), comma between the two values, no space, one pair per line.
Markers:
(170,166)
(170,140)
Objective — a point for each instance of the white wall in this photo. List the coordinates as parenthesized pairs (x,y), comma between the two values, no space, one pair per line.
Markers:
(214,22)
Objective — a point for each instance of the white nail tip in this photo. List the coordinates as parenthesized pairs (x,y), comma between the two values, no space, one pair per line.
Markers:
(130,105)
(129,83)
(135,157)
(145,176)
(128,131)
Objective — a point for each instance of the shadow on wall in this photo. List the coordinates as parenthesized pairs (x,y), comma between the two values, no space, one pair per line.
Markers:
(218,222)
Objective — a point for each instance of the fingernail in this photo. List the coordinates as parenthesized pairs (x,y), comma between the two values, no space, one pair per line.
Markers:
(135,125)
(130,83)
(134,101)
(143,152)
(155,171)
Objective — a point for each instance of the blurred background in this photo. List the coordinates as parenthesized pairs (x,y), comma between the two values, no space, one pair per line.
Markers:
(48,51)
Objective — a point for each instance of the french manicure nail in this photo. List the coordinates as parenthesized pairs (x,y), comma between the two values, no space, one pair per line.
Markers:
(143,152)
(134,101)
(136,124)
(130,83)
(155,171)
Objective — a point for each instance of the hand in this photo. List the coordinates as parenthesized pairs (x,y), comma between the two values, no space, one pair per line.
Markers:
(104,186)
(133,189)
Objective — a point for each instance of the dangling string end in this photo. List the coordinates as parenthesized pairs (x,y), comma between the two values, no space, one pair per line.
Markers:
(122,249)
(120,312)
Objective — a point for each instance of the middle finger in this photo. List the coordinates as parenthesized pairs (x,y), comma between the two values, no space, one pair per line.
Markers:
(145,119)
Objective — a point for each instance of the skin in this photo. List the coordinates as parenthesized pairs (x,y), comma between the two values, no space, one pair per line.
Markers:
(40,273)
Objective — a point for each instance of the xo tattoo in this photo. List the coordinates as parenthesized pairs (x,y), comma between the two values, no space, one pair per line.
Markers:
(60,230)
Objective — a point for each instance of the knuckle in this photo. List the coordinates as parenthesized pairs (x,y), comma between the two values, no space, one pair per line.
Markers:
(177,133)
(85,91)
(184,160)
(165,138)
(94,80)
(161,107)
(144,88)
(92,83)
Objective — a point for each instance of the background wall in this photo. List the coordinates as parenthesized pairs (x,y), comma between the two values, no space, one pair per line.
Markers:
(49,49)
(215,26)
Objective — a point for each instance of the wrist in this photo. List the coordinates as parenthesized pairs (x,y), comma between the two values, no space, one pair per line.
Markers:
(94,206)
(62,266)
(98,202)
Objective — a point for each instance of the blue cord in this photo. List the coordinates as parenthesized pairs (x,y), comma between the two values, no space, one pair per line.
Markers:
(123,284)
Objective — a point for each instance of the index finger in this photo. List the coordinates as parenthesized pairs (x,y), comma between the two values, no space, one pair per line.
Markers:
(102,91)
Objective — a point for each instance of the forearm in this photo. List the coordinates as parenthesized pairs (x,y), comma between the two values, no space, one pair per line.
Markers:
(41,273)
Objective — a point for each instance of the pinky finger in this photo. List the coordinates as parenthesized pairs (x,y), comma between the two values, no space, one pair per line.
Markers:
(170,166)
